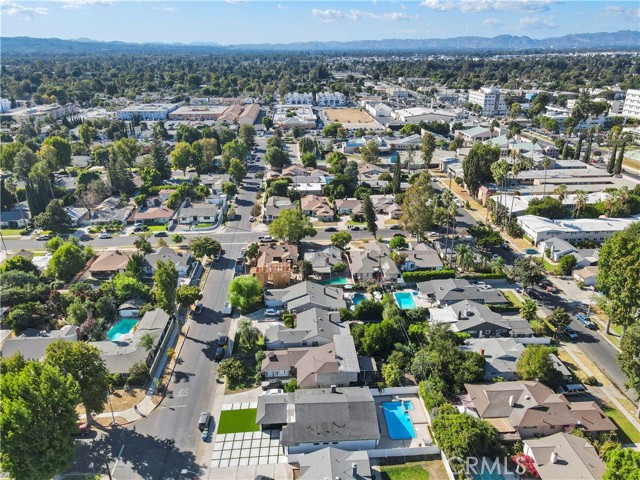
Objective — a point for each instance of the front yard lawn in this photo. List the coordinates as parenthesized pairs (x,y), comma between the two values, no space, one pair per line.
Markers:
(237,421)
(11,232)
(157,228)
(627,433)
(512,297)
(550,267)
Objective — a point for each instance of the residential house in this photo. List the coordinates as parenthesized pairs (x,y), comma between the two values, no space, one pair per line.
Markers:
(153,215)
(501,356)
(526,409)
(353,145)
(294,171)
(334,363)
(555,248)
(310,184)
(318,207)
(373,263)
(274,265)
(452,290)
(314,327)
(349,206)
(78,216)
(22,253)
(368,171)
(32,343)
(479,321)
(324,260)
(131,308)
(562,455)
(386,205)
(214,182)
(332,463)
(17,217)
(110,210)
(422,257)
(312,419)
(120,355)
(183,261)
(587,275)
(304,296)
(110,262)
(199,212)
(274,206)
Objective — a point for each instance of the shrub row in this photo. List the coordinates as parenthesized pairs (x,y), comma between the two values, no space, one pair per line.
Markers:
(423,276)
(484,276)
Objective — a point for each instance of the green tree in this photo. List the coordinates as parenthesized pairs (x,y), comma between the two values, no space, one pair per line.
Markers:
(477,166)
(23,161)
(559,318)
(165,284)
(77,312)
(142,243)
(567,264)
(622,463)
(68,260)
(54,217)
(369,215)
(341,239)
(8,153)
(138,373)
(485,237)
(309,160)
(188,295)
(331,130)
(527,270)
(146,341)
(204,246)
(418,216)
(87,133)
(63,150)
(427,147)
(612,159)
(128,287)
(127,150)
(84,363)
(291,226)
(307,145)
(245,293)
(619,276)
(291,386)
(236,170)
(548,207)
(465,257)
(248,333)
(267,122)
(392,374)
(617,168)
(397,243)
(275,157)
(19,263)
(536,363)
(306,269)
(529,310)
(182,156)
(253,250)
(370,152)
(36,397)
(229,189)
(247,135)
(231,368)
(135,266)
(629,355)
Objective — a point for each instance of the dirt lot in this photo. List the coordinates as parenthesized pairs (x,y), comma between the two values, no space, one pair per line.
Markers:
(348,115)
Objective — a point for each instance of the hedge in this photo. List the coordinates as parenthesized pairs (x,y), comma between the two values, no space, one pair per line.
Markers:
(503,308)
(423,276)
(484,276)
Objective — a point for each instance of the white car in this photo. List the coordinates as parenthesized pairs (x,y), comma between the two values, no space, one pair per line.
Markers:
(104,236)
(227,309)
(274,391)
(252,219)
(272,312)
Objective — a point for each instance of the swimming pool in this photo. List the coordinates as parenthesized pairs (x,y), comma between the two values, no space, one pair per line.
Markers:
(358,297)
(405,300)
(334,281)
(398,421)
(121,328)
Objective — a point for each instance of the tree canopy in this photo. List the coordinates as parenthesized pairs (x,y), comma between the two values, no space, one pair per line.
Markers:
(291,226)
(245,293)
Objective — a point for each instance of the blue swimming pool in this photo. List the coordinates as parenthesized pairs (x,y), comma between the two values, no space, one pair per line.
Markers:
(405,300)
(358,297)
(398,421)
(334,281)
(121,328)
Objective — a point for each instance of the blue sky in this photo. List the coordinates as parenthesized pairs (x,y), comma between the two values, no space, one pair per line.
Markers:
(259,21)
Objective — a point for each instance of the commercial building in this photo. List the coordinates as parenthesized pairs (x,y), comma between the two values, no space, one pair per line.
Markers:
(631,106)
(490,100)
(197,112)
(378,109)
(418,114)
(292,116)
(151,111)
(296,98)
(331,99)
(249,114)
(39,112)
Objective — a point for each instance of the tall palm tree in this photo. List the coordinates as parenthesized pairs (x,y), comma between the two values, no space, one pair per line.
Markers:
(561,192)
(610,202)
(465,257)
(580,203)
(546,163)
(499,171)
(247,332)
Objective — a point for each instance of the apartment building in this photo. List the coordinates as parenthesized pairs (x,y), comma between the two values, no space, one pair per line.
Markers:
(151,111)
(296,98)
(331,99)
(631,106)
(490,99)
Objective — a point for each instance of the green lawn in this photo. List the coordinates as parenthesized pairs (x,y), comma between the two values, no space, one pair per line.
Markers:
(204,225)
(413,472)
(627,433)
(509,295)
(550,267)
(236,421)
(11,232)
(157,228)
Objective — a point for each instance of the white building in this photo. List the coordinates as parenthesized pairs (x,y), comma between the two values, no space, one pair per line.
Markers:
(291,116)
(490,99)
(5,105)
(296,98)
(540,229)
(631,106)
(38,112)
(378,109)
(331,99)
(151,111)
(397,92)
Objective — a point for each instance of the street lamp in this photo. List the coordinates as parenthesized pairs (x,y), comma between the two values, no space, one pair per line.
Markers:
(184,471)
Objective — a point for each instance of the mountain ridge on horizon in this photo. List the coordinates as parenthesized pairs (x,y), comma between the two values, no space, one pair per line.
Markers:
(622,39)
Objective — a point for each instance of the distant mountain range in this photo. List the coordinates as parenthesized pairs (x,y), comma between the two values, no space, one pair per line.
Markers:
(621,40)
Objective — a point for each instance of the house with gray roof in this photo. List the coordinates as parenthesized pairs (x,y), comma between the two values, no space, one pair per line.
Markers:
(32,343)
(372,263)
(182,260)
(324,259)
(555,248)
(200,212)
(110,210)
(304,296)
(313,327)
(332,463)
(310,419)
(452,290)
(274,206)
(562,455)
(17,217)
(422,257)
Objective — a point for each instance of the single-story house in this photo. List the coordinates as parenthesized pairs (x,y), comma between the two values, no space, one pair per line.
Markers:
(182,260)
(555,248)
(333,463)
(131,308)
(563,455)
(587,275)
(17,217)
(150,215)
(324,260)
(110,210)
(528,409)
(314,327)
(373,263)
(32,343)
(422,257)
(77,215)
(200,212)
(386,205)
(311,419)
(294,171)
(110,262)
(318,207)
(349,206)
(274,206)
(452,290)
(304,296)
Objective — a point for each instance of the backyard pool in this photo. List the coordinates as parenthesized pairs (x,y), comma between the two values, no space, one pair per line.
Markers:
(405,300)
(334,281)
(121,328)
(358,297)
(398,421)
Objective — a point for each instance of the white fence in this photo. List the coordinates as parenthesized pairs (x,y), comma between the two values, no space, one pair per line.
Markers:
(403,452)
(394,391)
(533,340)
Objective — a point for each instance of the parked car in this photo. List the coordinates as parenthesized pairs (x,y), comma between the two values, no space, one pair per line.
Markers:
(252,219)
(266,239)
(394,227)
(274,391)
(105,236)
(84,237)
(355,228)
(271,384)
(331,229)
(550,289)
(83,429)
(506,246)
(161,234)
(571,333)
(203,421)
(586,321)
(219,354)
(139,228)
(272,312)
(572,389)
(227,309)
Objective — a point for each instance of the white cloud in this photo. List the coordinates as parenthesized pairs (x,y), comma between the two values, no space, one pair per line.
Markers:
(13,9)
(164,8)
(536,22)
(282,7)
(73,4)
(492,22)
(235,2)
(475,6)
(623,11)
(332,15)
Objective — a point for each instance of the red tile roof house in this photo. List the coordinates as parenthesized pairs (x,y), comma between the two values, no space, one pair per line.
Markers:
(152,215)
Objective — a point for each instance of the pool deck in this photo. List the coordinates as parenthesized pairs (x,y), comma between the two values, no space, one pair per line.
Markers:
(420,300)
(418,417)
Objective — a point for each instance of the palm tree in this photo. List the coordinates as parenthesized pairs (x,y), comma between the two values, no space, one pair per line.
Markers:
(497,266)
(546,163)
(499,171)
(247,332)
(561,192)
(610,203)
(580,202)
(465,257)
